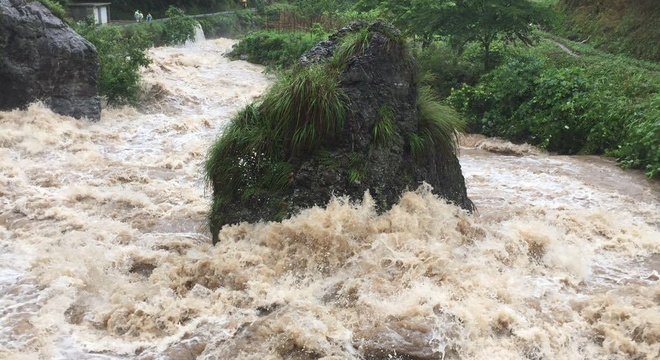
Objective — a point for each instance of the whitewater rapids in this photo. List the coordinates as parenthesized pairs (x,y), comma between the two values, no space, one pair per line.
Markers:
(105,254)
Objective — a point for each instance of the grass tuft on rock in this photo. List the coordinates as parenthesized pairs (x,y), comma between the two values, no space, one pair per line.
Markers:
(249,163)
(306,109)
(353,44)
(252,166)
(384,127)
(439,126)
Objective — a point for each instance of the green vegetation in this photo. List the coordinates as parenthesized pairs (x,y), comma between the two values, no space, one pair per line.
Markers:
(629,27)
(302,112)
(466,21)
(353,44)
(438,126)
(275,49)
(308,109)
(231,24)
(595,104)
(121,57)
(384,128)
(179,28)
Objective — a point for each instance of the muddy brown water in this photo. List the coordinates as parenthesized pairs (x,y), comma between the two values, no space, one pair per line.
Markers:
(104,252)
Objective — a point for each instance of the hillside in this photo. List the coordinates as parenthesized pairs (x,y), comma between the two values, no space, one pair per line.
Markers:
(618,26)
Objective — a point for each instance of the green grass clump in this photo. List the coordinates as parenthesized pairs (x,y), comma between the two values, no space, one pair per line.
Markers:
(309,107)
(438,127)
(249,163)
(353,44)
(384,127)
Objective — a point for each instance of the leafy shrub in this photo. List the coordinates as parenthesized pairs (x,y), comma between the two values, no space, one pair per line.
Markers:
(179,28)
(275,49)
(121,57)
(498,96)
(597,104)
(443,68)
(641,147)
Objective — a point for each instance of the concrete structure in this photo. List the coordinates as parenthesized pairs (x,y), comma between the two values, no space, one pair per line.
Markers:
(81,11)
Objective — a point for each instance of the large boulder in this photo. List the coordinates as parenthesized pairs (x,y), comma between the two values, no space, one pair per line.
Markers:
(43,59)
(385,145)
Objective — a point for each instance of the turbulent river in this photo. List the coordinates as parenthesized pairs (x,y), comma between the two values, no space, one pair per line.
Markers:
(104,251)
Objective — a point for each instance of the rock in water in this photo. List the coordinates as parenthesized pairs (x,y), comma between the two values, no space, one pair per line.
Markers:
(42,58)
(392,136)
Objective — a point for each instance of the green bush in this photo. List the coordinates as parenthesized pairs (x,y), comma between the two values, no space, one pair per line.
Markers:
(498,96)
(120,57)
(595,104)
(641,147)
(278,50)
(179,28)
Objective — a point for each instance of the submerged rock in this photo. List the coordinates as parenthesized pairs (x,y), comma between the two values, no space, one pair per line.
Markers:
(43,59)
(382,146)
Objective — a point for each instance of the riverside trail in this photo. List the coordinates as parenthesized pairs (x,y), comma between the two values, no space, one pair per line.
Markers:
(104,250)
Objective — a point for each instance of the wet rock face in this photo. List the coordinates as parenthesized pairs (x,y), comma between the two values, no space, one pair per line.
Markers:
(41,58)
(382,76)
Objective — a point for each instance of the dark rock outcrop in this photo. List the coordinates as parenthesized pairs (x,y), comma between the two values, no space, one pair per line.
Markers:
(382,76)
(42,58)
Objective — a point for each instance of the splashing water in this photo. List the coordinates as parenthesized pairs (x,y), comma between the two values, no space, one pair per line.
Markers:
(104,252)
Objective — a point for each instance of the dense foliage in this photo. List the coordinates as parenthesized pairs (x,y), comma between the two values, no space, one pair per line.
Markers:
(275,49)
(122,51)
(121,57)
(464,21)
(595,104)
(179,28)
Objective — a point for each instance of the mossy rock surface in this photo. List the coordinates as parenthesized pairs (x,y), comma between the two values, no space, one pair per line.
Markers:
(378,135)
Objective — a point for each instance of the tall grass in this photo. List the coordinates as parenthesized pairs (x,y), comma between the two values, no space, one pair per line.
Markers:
(249,163)
(438,126)
(353,44)
(308,108)
(384,128)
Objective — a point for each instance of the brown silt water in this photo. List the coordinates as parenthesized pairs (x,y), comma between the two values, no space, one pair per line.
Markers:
(105,254)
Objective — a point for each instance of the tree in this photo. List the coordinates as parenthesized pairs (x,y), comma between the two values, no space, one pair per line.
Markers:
(462,21)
